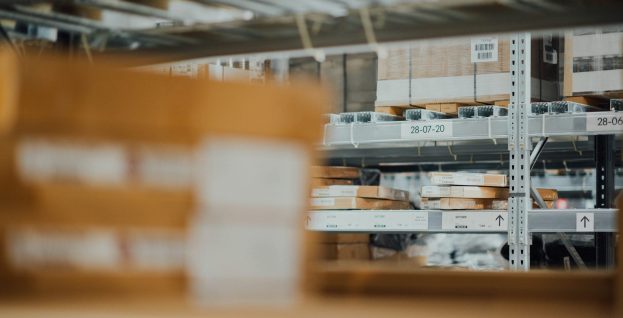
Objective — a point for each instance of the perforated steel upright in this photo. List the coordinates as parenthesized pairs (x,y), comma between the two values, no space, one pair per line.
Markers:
(519,146)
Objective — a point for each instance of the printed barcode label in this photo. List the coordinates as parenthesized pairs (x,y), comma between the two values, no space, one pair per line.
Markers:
(551,57)
(484,49)
(485,55)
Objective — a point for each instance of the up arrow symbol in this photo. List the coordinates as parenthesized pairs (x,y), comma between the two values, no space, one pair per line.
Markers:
(584,219)
(499,219)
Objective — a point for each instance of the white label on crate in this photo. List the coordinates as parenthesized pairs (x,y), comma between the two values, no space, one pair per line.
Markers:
(436,191)
(335,191)
(251,193)
(484,49)
(469,178)
(474,221)
(473,179)
(165,166)
(426,129)
(585,222)
(396,220)
(185,69)
(252,173)
(32,248)
(366,221)
(323,202)
(604,121)
(550,55)
(40,159)
(156,250)
(232,263)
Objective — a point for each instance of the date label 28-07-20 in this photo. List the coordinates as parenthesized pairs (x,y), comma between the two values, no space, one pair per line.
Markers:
(426,129)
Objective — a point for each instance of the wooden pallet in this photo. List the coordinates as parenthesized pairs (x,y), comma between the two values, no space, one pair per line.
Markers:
(450,109)
(596,101)
(393,110)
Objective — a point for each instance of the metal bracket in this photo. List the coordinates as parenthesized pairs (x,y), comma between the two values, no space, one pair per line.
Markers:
(536,196)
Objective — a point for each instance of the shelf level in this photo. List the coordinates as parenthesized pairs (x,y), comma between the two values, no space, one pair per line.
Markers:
(485,221)
(398,133)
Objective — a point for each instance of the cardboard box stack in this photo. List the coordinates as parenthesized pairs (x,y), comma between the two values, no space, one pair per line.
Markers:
(142,183)
(444,74)
(594,63)
(355,197)
(471,191)
(327,176)
(345,247)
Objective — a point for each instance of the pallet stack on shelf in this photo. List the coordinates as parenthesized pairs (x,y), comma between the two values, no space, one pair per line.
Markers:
(444,75)
(353,197)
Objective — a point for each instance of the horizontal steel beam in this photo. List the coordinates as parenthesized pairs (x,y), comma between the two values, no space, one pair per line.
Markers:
(473,221)
(344,34)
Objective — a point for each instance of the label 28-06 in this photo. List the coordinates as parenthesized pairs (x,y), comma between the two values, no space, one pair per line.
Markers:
(610,121)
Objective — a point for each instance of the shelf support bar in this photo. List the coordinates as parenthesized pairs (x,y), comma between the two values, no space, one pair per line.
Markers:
(519,146)
(604,197)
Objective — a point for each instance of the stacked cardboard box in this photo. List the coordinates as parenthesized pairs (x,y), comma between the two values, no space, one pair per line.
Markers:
(328,176)
(413,255)
(125,173)
(594,62)
(359,198)
(344,247)
(469,71)
(471,191)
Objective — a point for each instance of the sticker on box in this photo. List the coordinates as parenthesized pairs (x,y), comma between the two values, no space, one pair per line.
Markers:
(484,49)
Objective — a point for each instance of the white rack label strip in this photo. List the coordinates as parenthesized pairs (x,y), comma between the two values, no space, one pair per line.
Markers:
(367,221)
(604,121)
(474,221)
(426,129)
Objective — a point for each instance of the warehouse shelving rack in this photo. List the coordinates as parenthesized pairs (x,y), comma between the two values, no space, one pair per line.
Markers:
(520,137)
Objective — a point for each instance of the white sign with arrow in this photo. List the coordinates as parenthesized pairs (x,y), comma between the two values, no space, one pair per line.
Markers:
(585,222)
(475,221)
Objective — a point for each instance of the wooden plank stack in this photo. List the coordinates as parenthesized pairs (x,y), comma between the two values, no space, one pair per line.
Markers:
(472,191)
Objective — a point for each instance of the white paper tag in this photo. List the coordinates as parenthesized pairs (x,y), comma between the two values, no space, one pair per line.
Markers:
(169,167)
(367,221)
(550,55)
(436,191)
(322,201)
(469,179)
(335,191)
(251,194)
(230,264)
(604,121)
(585,222)
(471,221)
(484,49)
(32,248)
(40,159)
(252,173)
(426,129)
(185,69)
